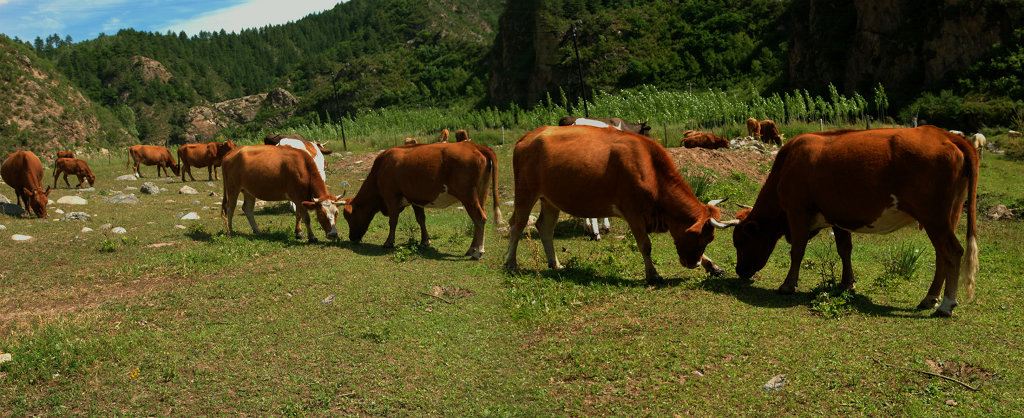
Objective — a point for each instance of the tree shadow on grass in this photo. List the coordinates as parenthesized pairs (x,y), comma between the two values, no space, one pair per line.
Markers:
(744,291)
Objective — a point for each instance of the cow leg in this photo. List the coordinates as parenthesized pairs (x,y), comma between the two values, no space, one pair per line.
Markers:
(421,219)
(643,244)
(135,168)
(546,226)
(592,228)
(710,266)
(209,173)
(798,239)
(393,213)
(303,214)
(189,170)
(844,246)
(607,226)
(948,254)
(56,172)
(476,212)
(516,225)
(81,179)
(228,203)
(247,206)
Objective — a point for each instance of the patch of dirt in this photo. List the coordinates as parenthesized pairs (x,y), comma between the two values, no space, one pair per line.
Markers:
(753,164)
(959,370)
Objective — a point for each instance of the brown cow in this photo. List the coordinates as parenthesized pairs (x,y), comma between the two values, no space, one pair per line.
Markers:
(709,141)
(427,176)
(73,166)
(444,135)
(411,141)
(640,128)
(770,133)
(65,154)
(691,132)
(275,173)
(753,128)
(156,155)
(461,135)
(207,155)
(23,171)
(597,172)
(871,181)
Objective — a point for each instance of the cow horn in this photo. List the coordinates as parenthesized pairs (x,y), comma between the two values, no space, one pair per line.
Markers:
(744,206)
(717,201)
(723,225)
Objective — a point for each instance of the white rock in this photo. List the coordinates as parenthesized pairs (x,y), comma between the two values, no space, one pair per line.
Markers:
(105,226)
(191,216)
(127,177)
(19,237)
(86,229)
(118,230)
(179,227)
(59,211)
(72,200)
(2,228)
(187,190)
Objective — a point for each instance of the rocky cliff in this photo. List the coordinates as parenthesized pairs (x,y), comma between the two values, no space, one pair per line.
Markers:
(203,123)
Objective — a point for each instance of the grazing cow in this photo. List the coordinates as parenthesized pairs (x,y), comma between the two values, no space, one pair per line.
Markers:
(444,135)
(691,132)
(709,141)
(23,171)
(411,141)
(427,176)
(275,173)
(979,141)
(65,154)
(461,135)
(871,181)
(753,128)
(207,155)
(640,128)
(73,166)
(276,139)
(153,155)
(591,172)
(770,133)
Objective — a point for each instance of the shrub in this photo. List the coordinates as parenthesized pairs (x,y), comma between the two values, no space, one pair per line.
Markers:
(899,266)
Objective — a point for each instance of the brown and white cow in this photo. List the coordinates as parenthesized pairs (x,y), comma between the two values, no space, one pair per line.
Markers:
(753,128)
(709,141)
(23,171)
(207,155)
(770,133)
(65,154)
(640,128)
(275,173)
(75,167)
(870,181)
(427,176)
(156,155)
(594,172)
(276,140)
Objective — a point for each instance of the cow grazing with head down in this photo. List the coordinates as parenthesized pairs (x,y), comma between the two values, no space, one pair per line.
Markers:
(411,141)
(979,141)
(640,128)
(275,173)
(444,136)
(75,167)
(709,141)
(753,128)
(770,133)
(427,176)
(590,172)
(461,135)
(65,154)
(153,155)
(872,181)
(23,171)
(207,155)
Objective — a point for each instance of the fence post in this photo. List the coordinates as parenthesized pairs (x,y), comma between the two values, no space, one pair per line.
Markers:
(821,125)
(502,134)
(665,126)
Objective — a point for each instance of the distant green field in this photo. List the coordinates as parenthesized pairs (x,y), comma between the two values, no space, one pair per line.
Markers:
(166,321)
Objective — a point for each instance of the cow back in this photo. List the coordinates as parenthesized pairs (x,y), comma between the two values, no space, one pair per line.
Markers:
(273,173)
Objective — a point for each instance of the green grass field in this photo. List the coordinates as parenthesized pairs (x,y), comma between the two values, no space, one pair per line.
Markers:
(105,324)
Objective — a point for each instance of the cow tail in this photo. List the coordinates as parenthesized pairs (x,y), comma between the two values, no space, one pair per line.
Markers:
(492,161)
(969,266)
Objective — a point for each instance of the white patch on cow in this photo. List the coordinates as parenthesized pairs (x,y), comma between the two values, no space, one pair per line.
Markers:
(442,200)
(318,157)
(947,305)
(890,220)
(591,122)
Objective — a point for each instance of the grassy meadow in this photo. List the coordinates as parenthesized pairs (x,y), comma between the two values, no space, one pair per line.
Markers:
(167,321)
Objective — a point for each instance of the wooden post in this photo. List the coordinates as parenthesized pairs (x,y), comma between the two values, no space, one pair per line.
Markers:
(665,126)
(821,125)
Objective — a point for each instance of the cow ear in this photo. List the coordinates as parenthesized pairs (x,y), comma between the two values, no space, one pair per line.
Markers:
(310,205)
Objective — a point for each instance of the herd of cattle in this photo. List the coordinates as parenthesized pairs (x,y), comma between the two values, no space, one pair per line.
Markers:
(865,181)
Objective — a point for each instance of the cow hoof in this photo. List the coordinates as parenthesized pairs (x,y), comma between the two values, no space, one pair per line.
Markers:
(787,290)
(928,303)
(313,240)
(389,244)
(717,272)
(939,313)
(655,280)
(476,255)
(512,268)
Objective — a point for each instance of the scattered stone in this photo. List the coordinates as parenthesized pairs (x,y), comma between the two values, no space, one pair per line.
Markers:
(131,188)
(19,237)
(999,212)
(187,190)
(196,202)
(214,194)
(204,208)
(72,200)
(59,211)
(159,244)
(76,216)
(127,177)
(191,216)
(163,189)
(3,228)
(328,300)
(86,229)
(209,183)
(49,201)
(698,373)
(119,230)
(105,226)
(86,189)
(949,402)
(179,227)
(775,383)
(12,209)
(169,201)
(122,198)
(4,199)
(150,188)
(5,357)
(510,203)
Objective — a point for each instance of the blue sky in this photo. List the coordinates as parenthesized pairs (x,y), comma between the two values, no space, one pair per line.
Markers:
(85,19)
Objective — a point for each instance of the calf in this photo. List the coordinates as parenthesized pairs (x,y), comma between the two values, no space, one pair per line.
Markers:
(427,176)
(277,173)
(444,135)
(73,166)
(979,141)
(461,135)
(594,172)
(709,141)
(770,133)
(23,171)
(875,182)
(209,155)
(753,128)
(152,155)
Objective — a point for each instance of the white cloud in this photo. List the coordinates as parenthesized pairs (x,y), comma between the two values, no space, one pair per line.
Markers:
(251,14)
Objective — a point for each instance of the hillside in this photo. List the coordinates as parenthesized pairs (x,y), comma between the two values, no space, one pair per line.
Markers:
(43,111)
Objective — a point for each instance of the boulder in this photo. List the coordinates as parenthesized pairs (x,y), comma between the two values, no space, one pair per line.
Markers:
(150,188)
(187,190)
(118,230)
(191,216)
(72,200)
(11,209)
(4,199)
(123,198)
(999,212)
(127,177)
